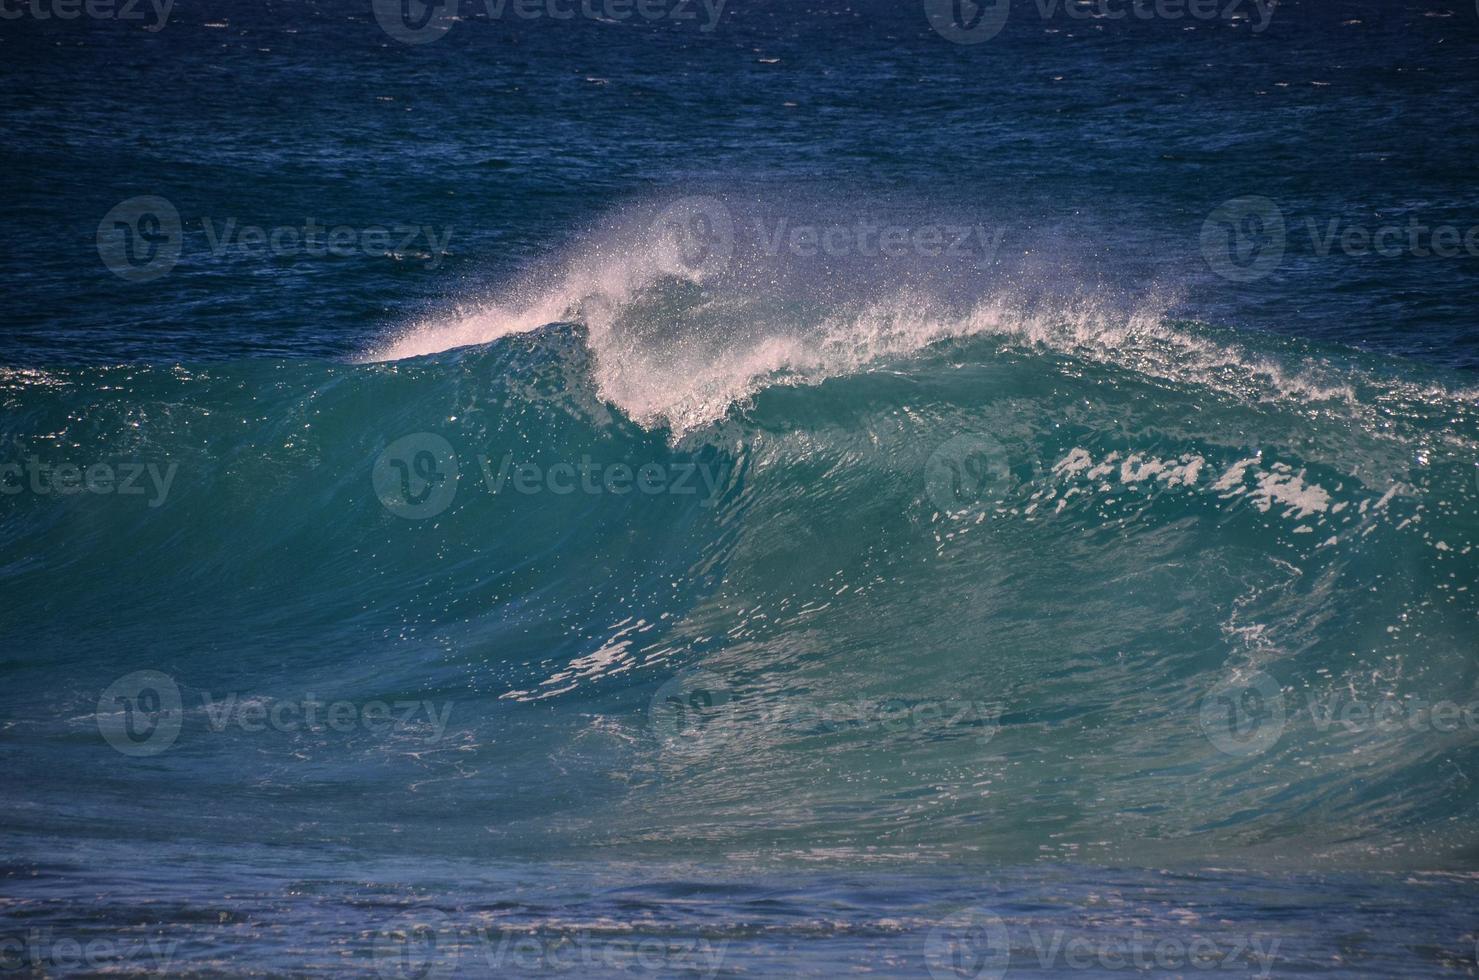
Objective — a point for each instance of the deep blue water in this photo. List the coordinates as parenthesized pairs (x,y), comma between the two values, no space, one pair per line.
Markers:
(777,493)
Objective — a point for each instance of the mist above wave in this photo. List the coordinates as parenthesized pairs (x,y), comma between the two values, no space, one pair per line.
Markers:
(693,307)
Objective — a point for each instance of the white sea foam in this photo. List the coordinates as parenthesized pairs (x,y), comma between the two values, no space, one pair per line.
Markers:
(679,348)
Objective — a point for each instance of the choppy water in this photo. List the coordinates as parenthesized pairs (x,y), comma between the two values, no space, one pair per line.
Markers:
(808,497)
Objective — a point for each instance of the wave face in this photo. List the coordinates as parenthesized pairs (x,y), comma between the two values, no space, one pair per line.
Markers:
(702,569)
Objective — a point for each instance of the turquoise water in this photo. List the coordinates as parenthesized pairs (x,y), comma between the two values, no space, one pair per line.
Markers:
(1002,607)
(838,501)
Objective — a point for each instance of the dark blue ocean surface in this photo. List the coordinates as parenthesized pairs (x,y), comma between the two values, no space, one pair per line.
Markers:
(739,489)
(1102,143)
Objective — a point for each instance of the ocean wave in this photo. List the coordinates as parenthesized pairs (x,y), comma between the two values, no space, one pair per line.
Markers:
(1040,580)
